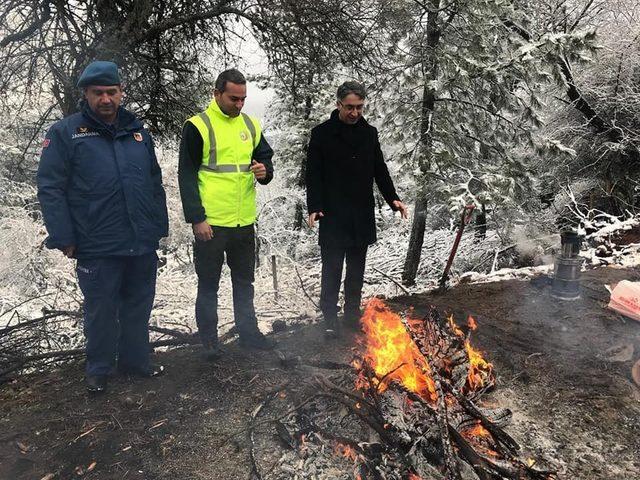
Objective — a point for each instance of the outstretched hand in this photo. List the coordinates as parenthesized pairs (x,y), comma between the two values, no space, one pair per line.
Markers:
(315,216)
(402,208)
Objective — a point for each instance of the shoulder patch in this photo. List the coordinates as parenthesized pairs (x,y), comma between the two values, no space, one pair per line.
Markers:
(46,142)
(137,136)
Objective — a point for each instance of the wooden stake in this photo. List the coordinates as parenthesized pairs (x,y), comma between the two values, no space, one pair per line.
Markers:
(274,273)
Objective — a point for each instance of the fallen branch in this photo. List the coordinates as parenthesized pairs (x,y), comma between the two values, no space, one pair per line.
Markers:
(304,290)
(22,362)
(402,287)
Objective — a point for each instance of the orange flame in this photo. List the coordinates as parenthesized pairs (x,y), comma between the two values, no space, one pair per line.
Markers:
(471,323)
(481,438)
(390,351)
(478,431)
(413,476)
(454,327)
(480,371)
(346,451)
(393,356)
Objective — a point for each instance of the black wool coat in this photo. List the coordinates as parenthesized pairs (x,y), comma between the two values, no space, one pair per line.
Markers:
(342,163)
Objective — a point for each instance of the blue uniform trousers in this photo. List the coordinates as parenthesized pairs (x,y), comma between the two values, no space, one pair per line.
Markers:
(118,297)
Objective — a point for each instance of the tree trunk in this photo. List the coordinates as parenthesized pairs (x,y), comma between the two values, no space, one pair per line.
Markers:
(481,223)
(301,180)
(430,70)
(300,206)
(414,250)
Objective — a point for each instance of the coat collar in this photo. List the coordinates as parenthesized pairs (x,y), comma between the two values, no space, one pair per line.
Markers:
(125,120)
(337,124)
(214,110)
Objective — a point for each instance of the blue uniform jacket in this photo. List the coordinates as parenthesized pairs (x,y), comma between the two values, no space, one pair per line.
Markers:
(100,187)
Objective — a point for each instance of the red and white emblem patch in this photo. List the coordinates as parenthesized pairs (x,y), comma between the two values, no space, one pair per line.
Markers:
(137,136)
(46,142)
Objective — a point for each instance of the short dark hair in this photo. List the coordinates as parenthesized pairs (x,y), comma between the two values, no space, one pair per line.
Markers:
(351,87)
(232,75)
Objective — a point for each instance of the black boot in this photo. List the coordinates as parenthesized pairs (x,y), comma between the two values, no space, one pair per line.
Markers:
(257,341)
(331,328)
(211,350)
(96,383)
(351,319)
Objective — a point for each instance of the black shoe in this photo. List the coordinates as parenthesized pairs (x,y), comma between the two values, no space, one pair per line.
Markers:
(211,351)
(257,341)
(331,333)
(96,383)
(351,320)
(151,370)
(331,329)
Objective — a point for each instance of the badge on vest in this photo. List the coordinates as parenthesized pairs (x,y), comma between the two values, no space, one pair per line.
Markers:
(137,136)
(243,136)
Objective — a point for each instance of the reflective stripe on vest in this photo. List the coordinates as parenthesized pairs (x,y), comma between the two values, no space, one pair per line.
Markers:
(225,182)
(213,166)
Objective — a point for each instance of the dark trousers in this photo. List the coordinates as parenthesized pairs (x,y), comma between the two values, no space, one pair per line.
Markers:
(332,261)
(118,297)
(238,243)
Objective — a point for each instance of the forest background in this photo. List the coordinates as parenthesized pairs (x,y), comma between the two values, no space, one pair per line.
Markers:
(530,111)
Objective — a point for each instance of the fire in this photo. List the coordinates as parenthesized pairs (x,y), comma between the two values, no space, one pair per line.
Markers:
(480,371)
(454,327)
(478,431)
(346,451)
(413,476)
(391,352)
(481,438)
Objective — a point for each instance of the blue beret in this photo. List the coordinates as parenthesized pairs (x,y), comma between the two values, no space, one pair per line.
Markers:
(99,73)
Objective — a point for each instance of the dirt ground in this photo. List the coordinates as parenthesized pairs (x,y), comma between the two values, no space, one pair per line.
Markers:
(576,411)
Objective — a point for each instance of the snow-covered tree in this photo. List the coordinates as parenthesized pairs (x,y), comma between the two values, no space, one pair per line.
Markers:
(463,103)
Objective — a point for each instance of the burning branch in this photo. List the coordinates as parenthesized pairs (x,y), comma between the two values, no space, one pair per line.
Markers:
(418,379)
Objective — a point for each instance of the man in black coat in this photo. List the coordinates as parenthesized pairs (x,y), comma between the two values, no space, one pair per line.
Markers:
(343,160)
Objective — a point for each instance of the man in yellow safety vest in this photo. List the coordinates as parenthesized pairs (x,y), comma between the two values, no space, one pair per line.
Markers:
(222,152)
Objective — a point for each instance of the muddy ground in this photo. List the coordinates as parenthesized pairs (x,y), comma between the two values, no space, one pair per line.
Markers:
(574,411)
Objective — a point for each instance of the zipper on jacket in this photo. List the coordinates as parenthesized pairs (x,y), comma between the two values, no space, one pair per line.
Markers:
(239,186)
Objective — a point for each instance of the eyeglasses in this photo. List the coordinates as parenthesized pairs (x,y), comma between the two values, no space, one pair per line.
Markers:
(352,108)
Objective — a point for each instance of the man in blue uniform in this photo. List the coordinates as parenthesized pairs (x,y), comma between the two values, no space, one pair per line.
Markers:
(100,189)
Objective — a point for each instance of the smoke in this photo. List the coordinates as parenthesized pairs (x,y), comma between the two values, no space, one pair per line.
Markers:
(533,247)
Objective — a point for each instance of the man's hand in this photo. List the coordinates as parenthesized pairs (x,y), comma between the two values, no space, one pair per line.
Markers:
(259,170)
(202,231)
(313,218)
(402,208)
(69,251)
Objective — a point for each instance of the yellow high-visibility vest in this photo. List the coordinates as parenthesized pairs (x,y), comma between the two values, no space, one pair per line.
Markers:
(227,188)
